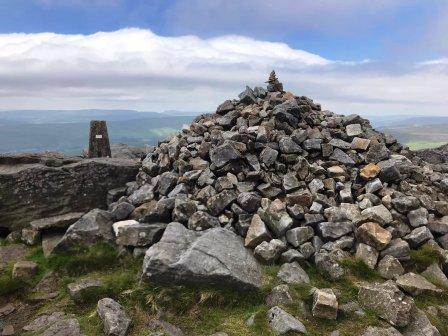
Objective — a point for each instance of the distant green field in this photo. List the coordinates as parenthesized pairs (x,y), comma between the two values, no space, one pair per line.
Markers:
(416,145)
(419,136)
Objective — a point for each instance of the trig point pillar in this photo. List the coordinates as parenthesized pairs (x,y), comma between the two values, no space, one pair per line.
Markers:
(99,145)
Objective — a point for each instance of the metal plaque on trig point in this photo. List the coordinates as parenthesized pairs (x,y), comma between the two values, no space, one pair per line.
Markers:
(98,136)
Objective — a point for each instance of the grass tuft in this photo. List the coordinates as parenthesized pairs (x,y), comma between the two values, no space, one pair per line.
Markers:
(423,257)
(358,268)
(8,285)
(100,257)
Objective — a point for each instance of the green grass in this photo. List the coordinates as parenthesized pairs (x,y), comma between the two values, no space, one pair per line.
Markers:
(100,257)
(8,285)
(360,269)
(416,145)
(196,310)
(422,258)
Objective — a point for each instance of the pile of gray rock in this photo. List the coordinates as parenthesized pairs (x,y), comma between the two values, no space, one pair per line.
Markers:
(295,182)
(272,178)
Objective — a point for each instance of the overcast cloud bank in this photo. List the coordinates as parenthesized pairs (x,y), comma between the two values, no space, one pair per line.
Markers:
(137,69)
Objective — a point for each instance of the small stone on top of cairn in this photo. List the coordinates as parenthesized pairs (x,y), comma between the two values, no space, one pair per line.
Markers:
(273,83)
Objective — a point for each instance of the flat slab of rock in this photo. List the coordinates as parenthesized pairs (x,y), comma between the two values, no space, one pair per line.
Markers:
(215,257)
(387,301)
(282,322)
(115,320)
(56,222)
(415,284)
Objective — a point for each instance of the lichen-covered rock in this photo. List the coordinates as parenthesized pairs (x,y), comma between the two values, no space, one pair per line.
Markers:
(415,284)
(387,301)
(115,320)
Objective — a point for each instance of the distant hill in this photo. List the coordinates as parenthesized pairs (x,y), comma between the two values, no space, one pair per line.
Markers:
(67,130)
(72,138)
(78,116)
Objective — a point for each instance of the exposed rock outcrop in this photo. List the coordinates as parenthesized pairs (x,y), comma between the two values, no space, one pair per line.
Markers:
(36,186)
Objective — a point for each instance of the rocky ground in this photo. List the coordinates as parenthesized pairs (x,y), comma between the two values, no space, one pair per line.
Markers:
(269,217)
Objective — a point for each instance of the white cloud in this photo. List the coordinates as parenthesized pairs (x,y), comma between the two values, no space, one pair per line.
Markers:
(137,69)
(437,61)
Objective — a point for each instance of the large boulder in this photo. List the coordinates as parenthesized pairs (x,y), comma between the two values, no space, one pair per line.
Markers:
(215,257)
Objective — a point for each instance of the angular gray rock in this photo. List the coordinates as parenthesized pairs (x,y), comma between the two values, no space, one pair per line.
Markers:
(115,320)
(68,327)
(80,289)
(335,230)
(94,227)
(415,284)
(418,236)
(215,257)
(37,186)
(434,274)
(300,235)
(282,322)
(224,154)
(379,214)
(292,273)
(132,233)
(390,267)
(257,232)
(202,220)
(270,252)
(420,325)
(279,295)
(367,254)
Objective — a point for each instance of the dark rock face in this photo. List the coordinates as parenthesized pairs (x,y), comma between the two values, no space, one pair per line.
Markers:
(215,257)
(39,186)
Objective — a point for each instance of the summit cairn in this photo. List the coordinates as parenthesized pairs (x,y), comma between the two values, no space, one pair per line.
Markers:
(273,83)
(271,178)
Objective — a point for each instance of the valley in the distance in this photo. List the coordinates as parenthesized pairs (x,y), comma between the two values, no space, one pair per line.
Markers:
(67,130)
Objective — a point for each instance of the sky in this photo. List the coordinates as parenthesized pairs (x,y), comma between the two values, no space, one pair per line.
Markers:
(381,57)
